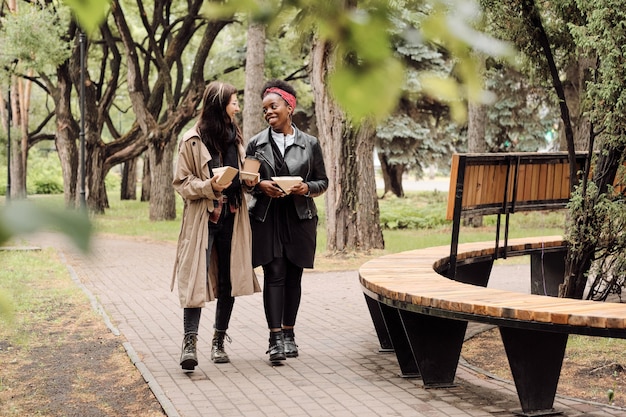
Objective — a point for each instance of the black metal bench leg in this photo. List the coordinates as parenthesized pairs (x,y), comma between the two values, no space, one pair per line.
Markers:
(436,343)
(406,360)
(546,272)
(535,358)
(475,273)
(379,325)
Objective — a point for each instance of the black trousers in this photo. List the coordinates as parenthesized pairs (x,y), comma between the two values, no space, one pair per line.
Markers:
(282,291)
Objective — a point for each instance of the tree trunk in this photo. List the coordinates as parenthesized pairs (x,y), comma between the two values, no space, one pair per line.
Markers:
(392,176)
(162,200)
(19,143)
(145,180)
(66,133)
(95,153)
(352,213)
(96,195)
(477,123)
(580,258)
(129,180)
(575,87)
(255,66)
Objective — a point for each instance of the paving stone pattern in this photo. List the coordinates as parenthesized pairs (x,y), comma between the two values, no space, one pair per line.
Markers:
(339,371)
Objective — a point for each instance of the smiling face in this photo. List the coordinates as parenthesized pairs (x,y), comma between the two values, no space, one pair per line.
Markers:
(277,113)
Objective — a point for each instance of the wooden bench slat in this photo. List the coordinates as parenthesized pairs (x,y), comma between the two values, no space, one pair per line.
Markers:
(407,277)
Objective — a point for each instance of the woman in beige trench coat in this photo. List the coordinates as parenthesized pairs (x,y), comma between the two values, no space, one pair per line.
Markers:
(213,257)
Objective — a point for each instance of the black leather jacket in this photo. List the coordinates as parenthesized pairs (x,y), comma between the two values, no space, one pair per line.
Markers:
(304,160)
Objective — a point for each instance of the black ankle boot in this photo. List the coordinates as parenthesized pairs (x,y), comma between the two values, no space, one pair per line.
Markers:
(291,349)
(277,347)
(188,357)
(218,355)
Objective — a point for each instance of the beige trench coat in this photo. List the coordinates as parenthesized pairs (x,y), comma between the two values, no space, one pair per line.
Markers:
(192,181)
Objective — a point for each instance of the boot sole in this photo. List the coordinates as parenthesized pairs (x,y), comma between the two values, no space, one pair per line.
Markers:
(278,357)
(188,364)
(224,360)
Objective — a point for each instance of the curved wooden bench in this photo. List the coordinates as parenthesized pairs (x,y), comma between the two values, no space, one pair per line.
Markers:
(422,315)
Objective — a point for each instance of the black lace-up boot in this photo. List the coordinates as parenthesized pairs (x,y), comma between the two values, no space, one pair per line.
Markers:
(188,357)
(218,355)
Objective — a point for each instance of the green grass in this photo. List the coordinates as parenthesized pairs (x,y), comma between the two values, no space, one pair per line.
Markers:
(130,218)
(25,286)
(414,222)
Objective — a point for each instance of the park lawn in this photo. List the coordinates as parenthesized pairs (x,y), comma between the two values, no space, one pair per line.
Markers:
(413,222)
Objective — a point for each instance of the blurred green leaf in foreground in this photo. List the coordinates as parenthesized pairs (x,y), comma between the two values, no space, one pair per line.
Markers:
(23,217)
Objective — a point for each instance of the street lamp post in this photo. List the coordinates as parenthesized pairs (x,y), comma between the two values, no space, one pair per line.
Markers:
(82,120)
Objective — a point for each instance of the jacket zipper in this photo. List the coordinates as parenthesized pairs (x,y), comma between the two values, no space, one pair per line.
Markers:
(260,155)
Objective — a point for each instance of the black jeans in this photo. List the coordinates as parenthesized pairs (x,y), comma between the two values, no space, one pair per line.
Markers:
(221,236)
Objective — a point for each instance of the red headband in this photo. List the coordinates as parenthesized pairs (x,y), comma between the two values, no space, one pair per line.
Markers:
(289,98)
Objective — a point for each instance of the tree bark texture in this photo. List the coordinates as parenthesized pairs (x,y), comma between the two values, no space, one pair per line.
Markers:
(145,180)
(476,126)
(574,87)
(66,133)
(255,67)
(19,142)
(162,204)
(128,189)
(352,213)
(477,123)
(392,176)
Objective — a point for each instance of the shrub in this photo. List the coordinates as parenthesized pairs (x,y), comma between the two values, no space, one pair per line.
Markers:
(48,187)
(421,210)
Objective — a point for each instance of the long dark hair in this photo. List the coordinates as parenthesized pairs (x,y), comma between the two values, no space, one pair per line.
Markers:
(216,128)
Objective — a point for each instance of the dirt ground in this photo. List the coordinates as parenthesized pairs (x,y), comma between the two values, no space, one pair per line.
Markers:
(73,367)
(78,367)
(593,366)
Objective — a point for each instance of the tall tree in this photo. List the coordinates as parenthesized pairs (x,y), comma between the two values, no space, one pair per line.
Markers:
(164,92)
(586,36)
(255,78)
(408,139)
(595,228)
(352,213)
(23,53)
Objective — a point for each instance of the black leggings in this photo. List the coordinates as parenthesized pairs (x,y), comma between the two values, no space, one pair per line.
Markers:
(221,236)
(282,291)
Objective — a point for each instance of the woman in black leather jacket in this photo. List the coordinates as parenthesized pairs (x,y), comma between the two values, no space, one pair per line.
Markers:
(284,222)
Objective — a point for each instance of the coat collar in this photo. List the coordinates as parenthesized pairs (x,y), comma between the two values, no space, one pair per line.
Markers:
(193,132)
(298,139)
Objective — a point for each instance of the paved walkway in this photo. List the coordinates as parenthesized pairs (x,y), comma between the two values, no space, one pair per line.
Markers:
(339,372)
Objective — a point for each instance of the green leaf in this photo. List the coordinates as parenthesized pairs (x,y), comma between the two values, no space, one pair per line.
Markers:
(368,92)
(89,13)
(23,217)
